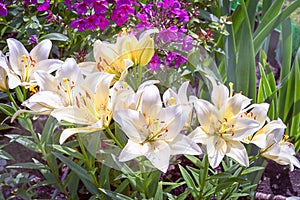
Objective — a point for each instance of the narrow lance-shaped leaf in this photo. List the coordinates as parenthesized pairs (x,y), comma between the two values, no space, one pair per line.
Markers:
(261,35)
(246,68)
(286,35)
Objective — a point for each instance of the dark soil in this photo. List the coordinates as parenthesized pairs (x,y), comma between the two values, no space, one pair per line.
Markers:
(278,182)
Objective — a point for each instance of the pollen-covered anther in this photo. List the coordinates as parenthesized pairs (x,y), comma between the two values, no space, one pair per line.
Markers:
(32,61)
(172,101)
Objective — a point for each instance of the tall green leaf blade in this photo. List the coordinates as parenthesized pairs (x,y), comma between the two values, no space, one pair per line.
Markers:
(230,54)
(252,12)
(286,33)
(296,103)
(271,13)
(246,68)
(273,23)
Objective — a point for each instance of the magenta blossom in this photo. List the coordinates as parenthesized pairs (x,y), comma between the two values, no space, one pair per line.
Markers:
(175,59)
(154,63)
(81,8)
(3,10)
(100,6)
(187,43)
(44,6)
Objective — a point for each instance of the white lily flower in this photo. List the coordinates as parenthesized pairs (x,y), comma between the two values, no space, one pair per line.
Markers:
(221,126)
(91,106)
(55,91)
(111,58)
(23,64)
(3,74)
(273,130)
(170,98)
(258,112)
(279,149)
(154,131)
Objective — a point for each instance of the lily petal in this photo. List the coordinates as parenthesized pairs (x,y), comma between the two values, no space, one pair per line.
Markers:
(133,124)
(159,155)
(41,51)
(237,151)
(72,131)
(16,51)
(131,151)
(216,149)
(182,144)
(74,115)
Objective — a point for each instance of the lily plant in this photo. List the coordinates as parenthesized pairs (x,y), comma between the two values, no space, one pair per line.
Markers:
(154,131)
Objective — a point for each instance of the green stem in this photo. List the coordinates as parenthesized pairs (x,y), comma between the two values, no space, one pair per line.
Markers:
(114,137)
(140,75)
(89,164)
(204,177)
(11,98)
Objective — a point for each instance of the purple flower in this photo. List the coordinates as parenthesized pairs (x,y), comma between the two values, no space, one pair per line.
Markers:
(187,43)
(103,22)
(3,10)
(79,24)
(182,15)
(68,3)
(119,17)
(33,39)
(175,59)
(169,35)
(126,8)
(27,2)
(91,22)
(154,63)
(81,8)
(44,6)
(169,4)
(88,2)
(100,6)
(144,22)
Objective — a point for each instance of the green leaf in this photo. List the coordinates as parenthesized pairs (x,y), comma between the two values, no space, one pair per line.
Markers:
(48,129)
(246,67)
(23,140)
(6,109)
(296,100)
(69,151)
(28,165)
(189,180)
(219,176)
(81,172)
(121,187)
(152,182)
(159,192)
(234,195)
(250,170)
(5,127)
(271,13)
(286,35)
(114,195)
(196,161)
(55,36)
(229,183)
(6,156)
(273,23)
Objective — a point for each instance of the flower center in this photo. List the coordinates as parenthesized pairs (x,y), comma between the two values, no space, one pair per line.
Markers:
(225,128)
(27,66)
(157,129)
(66,87)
